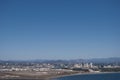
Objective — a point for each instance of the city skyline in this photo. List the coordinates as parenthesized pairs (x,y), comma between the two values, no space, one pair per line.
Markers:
(62,29)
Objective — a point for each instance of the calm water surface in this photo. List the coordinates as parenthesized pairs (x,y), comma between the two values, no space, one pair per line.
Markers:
(105,76)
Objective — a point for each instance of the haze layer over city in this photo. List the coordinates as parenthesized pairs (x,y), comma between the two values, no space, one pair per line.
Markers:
(59,29)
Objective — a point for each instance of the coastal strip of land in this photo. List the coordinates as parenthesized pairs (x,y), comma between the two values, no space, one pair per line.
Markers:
(42,75)
(35,75)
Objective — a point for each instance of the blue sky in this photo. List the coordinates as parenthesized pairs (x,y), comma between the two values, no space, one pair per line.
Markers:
(59,29)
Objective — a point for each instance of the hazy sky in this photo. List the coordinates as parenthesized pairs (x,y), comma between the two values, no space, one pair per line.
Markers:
(59,29)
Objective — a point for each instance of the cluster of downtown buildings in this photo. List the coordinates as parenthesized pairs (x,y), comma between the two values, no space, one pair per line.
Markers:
(33,66)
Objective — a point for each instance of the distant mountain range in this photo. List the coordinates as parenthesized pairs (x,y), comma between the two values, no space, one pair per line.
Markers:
(94,60)
(105,60)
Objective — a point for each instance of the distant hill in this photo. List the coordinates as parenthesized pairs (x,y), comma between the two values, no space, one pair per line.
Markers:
(94,60)
(105,60)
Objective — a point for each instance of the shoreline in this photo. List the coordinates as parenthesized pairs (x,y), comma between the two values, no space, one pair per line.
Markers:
(49,77)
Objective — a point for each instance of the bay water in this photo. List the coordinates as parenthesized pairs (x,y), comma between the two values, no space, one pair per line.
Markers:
(101,76)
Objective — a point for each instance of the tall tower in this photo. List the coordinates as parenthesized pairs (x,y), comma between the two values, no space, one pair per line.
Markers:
(91,65)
